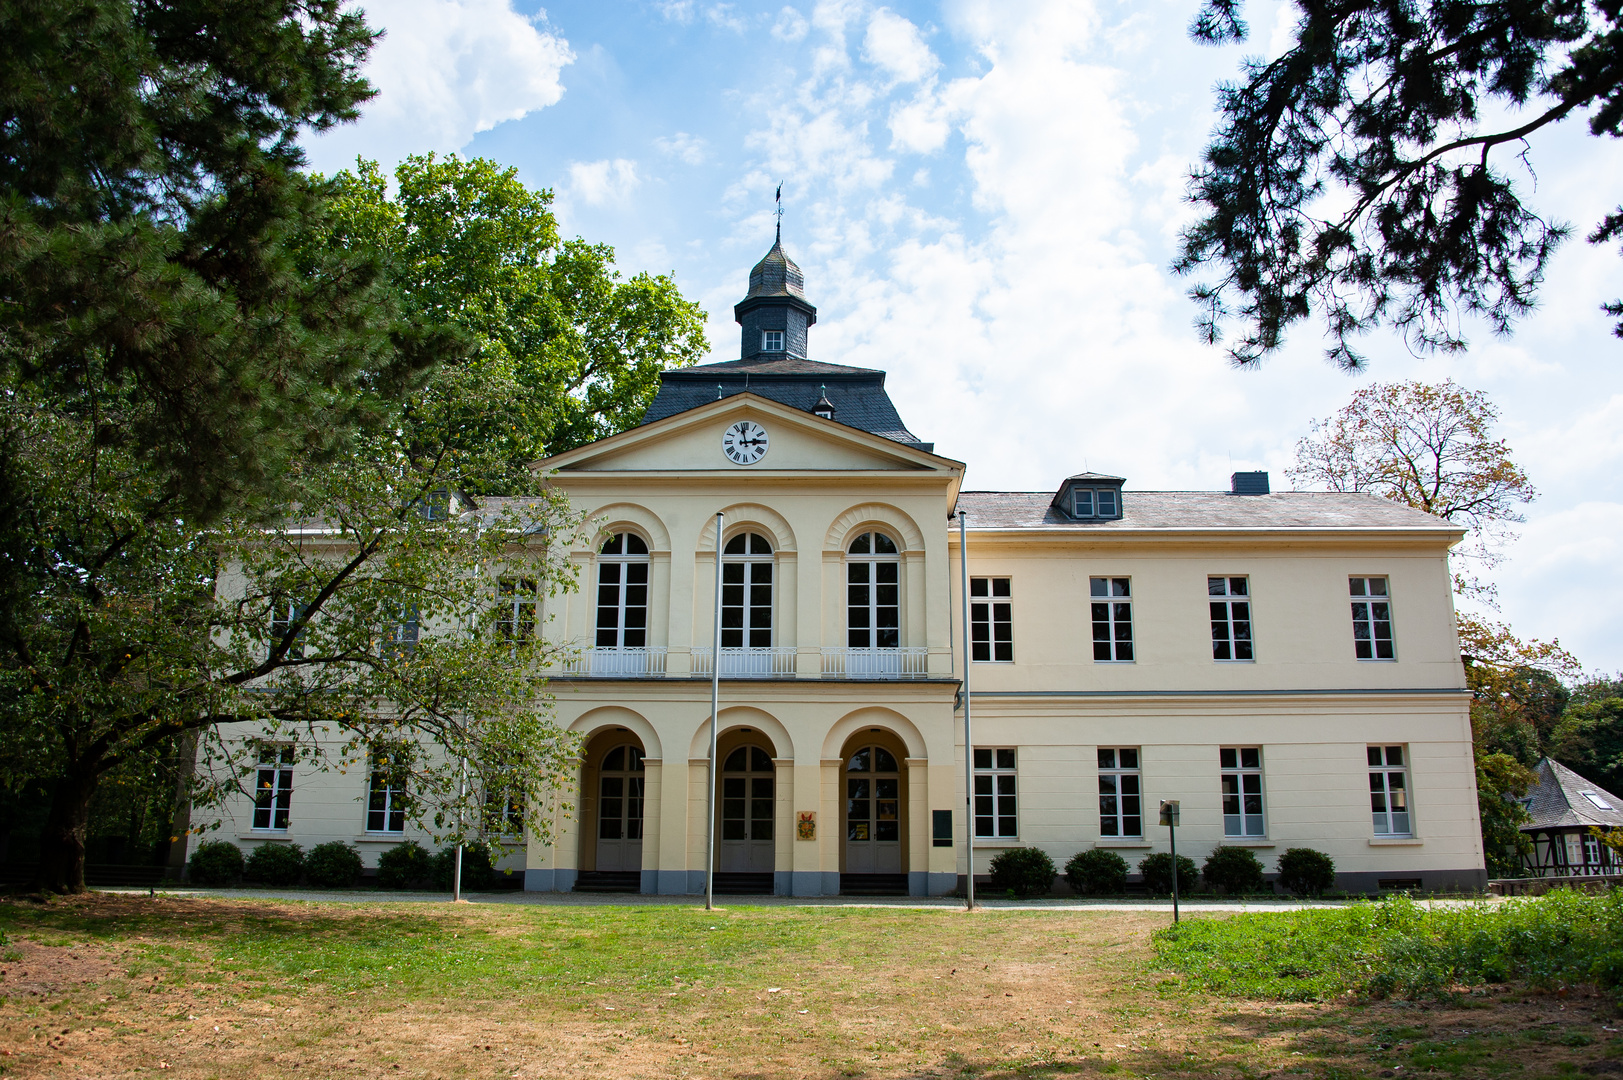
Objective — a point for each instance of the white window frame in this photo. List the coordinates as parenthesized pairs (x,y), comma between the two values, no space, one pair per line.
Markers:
(1241,779)
(1382,770)
(996,793)
(1089,503)
(284,613)
(747,567)
(404,632)
(1231,613)
(517,606)
(1102,594)
(991,620)
(1118,774)
(394,800)
(273,787)
(619,635)
(872,608)
(1366,621)
(772,340)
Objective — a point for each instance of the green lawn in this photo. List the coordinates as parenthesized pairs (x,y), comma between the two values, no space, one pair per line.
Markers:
(126,986)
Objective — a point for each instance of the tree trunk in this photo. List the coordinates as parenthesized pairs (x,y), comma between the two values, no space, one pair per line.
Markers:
(180,826)
(62,843)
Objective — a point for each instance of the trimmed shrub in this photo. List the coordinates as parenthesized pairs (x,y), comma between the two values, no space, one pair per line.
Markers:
(1306,872)
(405,867)
(1098,871)
(1023,871)
(218,862)
(334,865)
(275,864)
(478,873)
(1157,871)
(1235,870)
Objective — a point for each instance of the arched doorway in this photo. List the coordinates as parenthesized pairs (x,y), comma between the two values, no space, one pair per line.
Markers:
(873,813)
(614,783)
(748,804)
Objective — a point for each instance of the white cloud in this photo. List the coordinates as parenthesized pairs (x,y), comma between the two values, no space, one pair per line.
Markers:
(790,25)
(725,16)
(686,148)
(893,43)
(678,11)
(445,71)
(597,183)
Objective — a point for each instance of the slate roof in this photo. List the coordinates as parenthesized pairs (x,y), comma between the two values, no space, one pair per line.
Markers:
(1558,801)
(776,275)
(858,394)
(1202,510)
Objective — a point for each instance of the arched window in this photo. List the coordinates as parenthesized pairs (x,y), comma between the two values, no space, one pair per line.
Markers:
(746,592)
(873,593)
(622,593)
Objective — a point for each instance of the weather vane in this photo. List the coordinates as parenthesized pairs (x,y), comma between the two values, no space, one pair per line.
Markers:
(778,198)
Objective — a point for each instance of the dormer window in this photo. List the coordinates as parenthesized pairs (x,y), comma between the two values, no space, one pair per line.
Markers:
(1089,496)
(771,340)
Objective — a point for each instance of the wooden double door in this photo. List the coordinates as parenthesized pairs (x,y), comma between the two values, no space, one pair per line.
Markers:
(620,785)
(748,797)
(874,794)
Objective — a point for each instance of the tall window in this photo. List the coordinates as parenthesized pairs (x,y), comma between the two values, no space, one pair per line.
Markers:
(746,592)
(873,593)
(1242,790)
(504,811)
(1230,599)
(402,632)
(284,614)
(1389,791)
(273,793)
(622,593)
(1121,808)
(995,816)
(1112,618)
(991,622)
(515,608)
(1372,618)
(386,798)
(771,340)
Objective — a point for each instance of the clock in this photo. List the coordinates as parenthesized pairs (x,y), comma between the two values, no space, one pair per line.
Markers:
(744,443)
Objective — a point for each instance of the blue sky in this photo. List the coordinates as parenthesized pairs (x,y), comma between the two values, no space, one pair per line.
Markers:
(985,196)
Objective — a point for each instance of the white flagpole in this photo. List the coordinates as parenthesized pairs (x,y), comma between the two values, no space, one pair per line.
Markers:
(969,744)
(715,698)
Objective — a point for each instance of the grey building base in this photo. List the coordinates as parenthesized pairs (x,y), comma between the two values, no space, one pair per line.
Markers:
(813,883)
(925,883)
(783,882)
(549,880)
(1429,881)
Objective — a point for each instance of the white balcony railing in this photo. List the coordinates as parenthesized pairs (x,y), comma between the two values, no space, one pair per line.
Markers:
(594,662)
(911,663)
(746,663)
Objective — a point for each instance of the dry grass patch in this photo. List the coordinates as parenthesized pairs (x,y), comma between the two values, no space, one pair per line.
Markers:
(122,986)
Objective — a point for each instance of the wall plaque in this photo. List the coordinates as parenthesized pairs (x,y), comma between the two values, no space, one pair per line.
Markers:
(806,825)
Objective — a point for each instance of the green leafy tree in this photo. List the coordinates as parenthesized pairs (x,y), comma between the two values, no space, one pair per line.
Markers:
(1429,446)
(1501,783)
(151,216)
(1589,740)
(365,624)
(566,351)
(1369,173)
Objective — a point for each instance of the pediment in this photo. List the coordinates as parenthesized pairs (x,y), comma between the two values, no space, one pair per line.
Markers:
(797,442)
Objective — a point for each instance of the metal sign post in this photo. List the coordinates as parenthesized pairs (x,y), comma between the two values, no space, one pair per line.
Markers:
(969,743)
(1169,818)
(715,697)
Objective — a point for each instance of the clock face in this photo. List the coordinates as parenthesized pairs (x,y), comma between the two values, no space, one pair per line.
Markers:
(744,443)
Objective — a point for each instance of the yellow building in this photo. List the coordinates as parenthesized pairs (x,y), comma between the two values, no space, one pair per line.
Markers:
(1283,664)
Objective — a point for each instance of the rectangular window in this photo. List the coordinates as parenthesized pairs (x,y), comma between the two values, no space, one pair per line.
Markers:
(515,608)
(1242,790)
(402,634)
(1121,808)
(504,811)
(1389,791)
(1112,618)
(1107,503)
(273,793)
(1230,599)
(284,614)
(386,799)
(995,794)
(1082,502)
(991,626)
(1372,618)
(772,340)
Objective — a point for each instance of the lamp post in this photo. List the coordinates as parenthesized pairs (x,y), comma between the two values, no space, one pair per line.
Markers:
(1169,818)
(969,745)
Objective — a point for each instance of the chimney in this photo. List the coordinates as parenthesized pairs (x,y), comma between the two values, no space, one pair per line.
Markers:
(1249,483)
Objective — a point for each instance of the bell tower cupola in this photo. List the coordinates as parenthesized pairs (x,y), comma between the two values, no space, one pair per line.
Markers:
(775,314)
